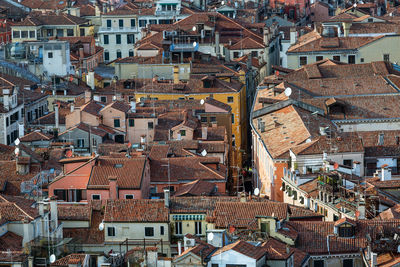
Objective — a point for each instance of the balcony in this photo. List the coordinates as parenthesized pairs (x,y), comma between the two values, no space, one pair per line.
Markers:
(118,30)
(168,13)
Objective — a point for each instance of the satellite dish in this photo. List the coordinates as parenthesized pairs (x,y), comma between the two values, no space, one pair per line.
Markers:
(194,28)
(194,44)
(308,140)
(355,5)
(288,91)
(52,258)
(17,141)
(101,226)
(256,192)
(210,236)
(204,153)
(202,102)
(222,3)
(114,98)
(16,151)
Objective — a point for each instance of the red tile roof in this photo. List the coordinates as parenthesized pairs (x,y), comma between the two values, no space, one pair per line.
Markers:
(243,248)
(196,188)
(13,208)
(136,210)
(36,136)
(128,171)
(74,212)
(70,259)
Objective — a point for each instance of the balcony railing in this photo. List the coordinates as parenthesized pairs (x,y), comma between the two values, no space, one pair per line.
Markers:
(118,30)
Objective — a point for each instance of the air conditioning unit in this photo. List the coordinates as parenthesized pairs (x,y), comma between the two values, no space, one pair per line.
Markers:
(190,242)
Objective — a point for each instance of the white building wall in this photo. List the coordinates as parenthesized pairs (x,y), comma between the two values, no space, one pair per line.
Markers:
(233,257)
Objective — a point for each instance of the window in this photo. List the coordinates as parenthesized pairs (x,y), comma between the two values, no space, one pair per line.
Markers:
(346,230)
(117,123)
(150,125)
(142,23)
(82,32)
(351,59)
(133,23)
(152,21)
(130,196)
(319,58)
(336,58)
(49,32)
(161,230)
(254,53)
(381,139)
(386,57)
(214,265)
(198,230)
(109,23)
(32,34)
(96,197)
(213,119)
(131,53)
(70,32)
(119,54)
(81,142)
(106,56)
(303,61)
(233,140)
(16,34)
(348,162)
(178,228)
(130,38)
(348,263)
(106,39)
(230,99)
(183,132)
(111,231)
(118,39)
(121,23)
(204,119)
(319,263)
(60,32)
(233,118)
(131,122)
(149,231)
(50,55)
(235,54)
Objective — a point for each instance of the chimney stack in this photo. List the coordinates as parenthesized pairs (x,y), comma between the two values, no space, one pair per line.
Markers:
(112,181)
(217,44)
(81,54)
(386,173)
(54,211)
(356,168)
(293,36)
(204,131)
(6,98)
(56,116)
(166,197)
(72,107)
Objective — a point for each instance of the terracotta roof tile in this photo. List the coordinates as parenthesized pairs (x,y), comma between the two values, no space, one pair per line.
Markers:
(70,259)
(136,210)
(71,212)
(243,248)
(196,188)
(36,136)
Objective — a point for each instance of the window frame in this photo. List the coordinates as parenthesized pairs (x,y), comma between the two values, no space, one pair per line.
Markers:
(113,231)
(148,228)
(117,121)
(97,195)
(178,228)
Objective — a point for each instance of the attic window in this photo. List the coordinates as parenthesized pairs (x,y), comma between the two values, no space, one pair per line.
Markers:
(206,83)
(346,230)
(118,165)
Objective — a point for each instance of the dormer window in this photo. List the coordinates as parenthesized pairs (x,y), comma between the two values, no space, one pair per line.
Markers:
(346,230)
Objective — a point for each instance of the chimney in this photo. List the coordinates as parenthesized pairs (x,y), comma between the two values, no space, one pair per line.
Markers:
(54,211)
(90,78)
(386,173)
(204,132)
(81,54)
(179,247)
(166,197)
(266,34)
(56,116)
(176,74)
(112,181)
(242,197)
(97,10)
(217,44)
(88,96)
(133,106)
(41,208)
(356,168)
(293,36)
(72,106)
(6,98)
(27,231)
(287,249)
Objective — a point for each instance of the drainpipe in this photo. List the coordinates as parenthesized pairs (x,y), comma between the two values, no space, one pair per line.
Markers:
(327,243)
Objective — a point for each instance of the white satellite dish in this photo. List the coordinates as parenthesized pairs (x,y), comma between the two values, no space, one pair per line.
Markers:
(101,226)
(114,98)
(17,141)
(222,3)
(204,153)
(355,5)
(52,258)
(288,91)
(256,192)
(194,28)
(210,236)
(16,151)
(202,102)
(194,44)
